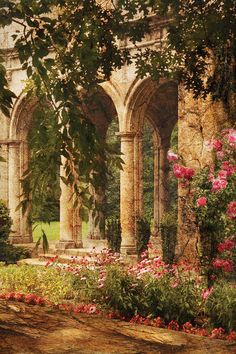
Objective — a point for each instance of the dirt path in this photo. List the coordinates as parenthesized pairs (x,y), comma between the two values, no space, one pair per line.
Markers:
(26,329)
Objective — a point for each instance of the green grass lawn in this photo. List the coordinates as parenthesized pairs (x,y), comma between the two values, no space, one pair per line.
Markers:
(52,230)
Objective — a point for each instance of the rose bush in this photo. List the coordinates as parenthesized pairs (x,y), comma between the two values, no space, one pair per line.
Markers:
(212,195)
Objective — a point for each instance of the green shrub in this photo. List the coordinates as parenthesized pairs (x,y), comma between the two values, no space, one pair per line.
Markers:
(85,285)
(168,229)
(143,235)
(121,291)
(221,306)
(113,234)
(12,254)
(5,222)
(170,298)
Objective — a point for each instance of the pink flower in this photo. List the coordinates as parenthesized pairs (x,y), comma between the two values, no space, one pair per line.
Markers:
(231,336)
(206,293)
(183,172)
(228,168)
(218,184)
(232,138)
(217,333)
(171,156)
(217,144)
(202,201)
(231,210)
(92,309)
(220,155)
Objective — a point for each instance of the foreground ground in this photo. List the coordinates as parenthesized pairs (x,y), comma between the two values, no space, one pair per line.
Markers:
(26,329)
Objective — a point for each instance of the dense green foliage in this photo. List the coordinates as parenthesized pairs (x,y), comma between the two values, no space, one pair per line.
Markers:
(113,234)
(148,171)
(5,222)
(143,235)
(168,228)
(8,252)
(221,306)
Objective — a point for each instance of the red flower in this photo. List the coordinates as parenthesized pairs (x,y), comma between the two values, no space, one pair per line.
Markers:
(227,245)
(183,172)
(173,325)
(202,201)
(225,265)
(217,144)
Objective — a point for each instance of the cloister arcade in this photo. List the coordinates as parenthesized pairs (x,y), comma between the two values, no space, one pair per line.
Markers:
(132,101)
(144,100)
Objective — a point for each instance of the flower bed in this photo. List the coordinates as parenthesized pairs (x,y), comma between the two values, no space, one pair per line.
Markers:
(150,292)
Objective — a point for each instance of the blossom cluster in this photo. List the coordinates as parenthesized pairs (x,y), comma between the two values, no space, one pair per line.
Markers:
(182,172)
(223,264)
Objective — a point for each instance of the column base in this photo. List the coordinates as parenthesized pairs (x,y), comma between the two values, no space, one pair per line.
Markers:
(128,250)
(96,237)
(64,245)
(19,239)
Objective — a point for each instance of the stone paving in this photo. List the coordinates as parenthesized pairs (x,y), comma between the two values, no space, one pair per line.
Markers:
(27,329)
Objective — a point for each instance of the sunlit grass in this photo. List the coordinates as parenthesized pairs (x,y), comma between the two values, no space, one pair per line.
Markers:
(52,230)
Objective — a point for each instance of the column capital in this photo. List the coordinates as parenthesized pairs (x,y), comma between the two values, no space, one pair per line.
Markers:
(128,136)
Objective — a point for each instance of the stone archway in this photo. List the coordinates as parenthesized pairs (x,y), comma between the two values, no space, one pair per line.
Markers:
(98,107)
(157,103)
(18,158)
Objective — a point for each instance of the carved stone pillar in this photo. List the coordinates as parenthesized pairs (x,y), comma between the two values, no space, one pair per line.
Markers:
(127,207)
(156,168)
(138,175)
(14,190)
(70,222)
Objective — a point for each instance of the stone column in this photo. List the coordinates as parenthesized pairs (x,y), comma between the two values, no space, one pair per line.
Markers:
(163,183)
(127,207)
(70,223)
(18,163)
(14,190)
(138,178)
(156,183)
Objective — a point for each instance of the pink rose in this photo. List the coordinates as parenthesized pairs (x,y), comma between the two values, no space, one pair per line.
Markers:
(217,144)
(202,201)
(171,156)
(232,138)
(231,210)
(218,184)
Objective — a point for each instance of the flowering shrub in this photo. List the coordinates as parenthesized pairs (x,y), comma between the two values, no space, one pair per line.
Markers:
(212,191)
